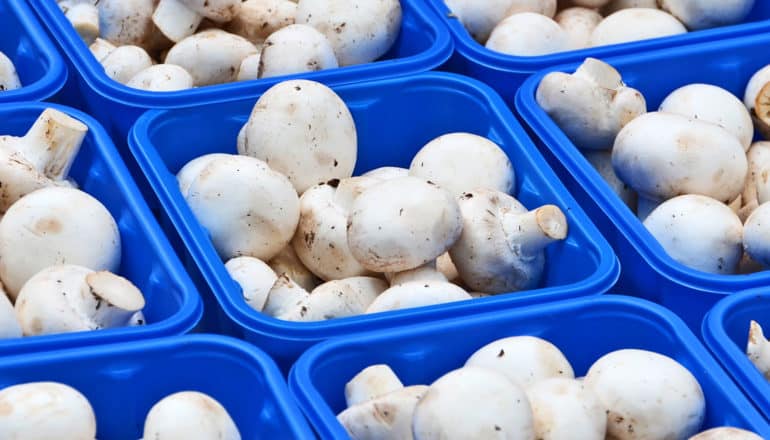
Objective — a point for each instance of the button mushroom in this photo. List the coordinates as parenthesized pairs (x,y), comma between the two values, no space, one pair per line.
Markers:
(297,48)
(479,18)
(45,411)
(125,62)
(726,433)
(170,418)
(255,279)
(646,395)
(528,34)
(579,23)
(288,263)
(704,14)
(126,22)
(501,248)
(250,67)
(212,56)
(601,160)
(162,78)
(178,19)
(758,349)
(385,417)
(193,168)
(564,409)
(417,290)
(635,24)
(303,130)
(101,48)
(756,235)
(85,19)
(9,79)
(258,19)
(371,382)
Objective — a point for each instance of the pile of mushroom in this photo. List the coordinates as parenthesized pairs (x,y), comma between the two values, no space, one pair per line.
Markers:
(47,410)
(59,246)
(9,79)
(170,45)
(539,27)
(524,388)
(444,230)
(689,170)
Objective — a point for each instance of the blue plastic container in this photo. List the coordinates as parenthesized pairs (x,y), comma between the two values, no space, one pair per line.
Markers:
(423,44)
(173,305)
(584,329)
(647,270)
(506,72)
(726,331)
(123,381)
(395,118)
(40,67)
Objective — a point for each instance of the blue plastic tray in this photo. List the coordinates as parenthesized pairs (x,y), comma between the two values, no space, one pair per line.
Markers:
(22,39)
(506,72)
(395,118)
(424,43)
(123,381)
(173,304)
(584,330)
(725,332)
(648,271)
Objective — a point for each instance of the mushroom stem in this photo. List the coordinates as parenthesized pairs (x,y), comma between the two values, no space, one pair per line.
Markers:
(175,20)
(531,232)
(426,272)
(370,383)
(85,19)
(53,142)
(758,349)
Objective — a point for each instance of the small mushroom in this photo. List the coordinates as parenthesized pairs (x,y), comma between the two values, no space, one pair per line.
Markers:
(247,208)
(56,226)
(178,19)
(9,325)
(171,419)
(564,409)
(258,19)
(579,23)
(401,224)
(528,34)
(501,248)
(284,297)
(635,24)
(479,18)
(297,48)
(386,417)
(162,78)
(288,263)
(303,130)
(699,232)
(616,5)
(370,383)
(255,279)
(705,14)
(591,105)
(101,48)
(212,56)
(193,168)
(125,62)
(473,402)
(68,298)
(85,19)
(601,160)
(249,69)
(459,162)
(758,349)
(646,395)
(420,287)
(726,433)
(126,22)
(756,235)
(45,411)
(524,360)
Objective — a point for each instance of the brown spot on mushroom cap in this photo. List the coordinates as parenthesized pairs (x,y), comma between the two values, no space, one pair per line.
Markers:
(48,225)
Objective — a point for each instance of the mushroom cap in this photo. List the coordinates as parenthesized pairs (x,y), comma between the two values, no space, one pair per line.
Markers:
(646,395)
(303,130)
(479,18)
(212,56)
(757,189)
(258,19)
(338,299)
(247,208)
(473,403)
(524,360)
(565,409)
(414,294)
(757,349)
(359,31)
(386,173)
(100,48)
(370,383)
(726,433)
(287,262)
(663,155)
(542,7)
(285,299)
(219,11)
(699,232)
(171,419)
(705,14)
(124,22)
(401,224)
(755,84)
(459,162)
(387,417)
(249,69)
(710,103)
(44,411)
(193,168)
(635,24)
(254,277)
(579,23)
(756,234)
(297,48)
(528,34)
(162,78)
(125,62)
(9,79)
(56,226)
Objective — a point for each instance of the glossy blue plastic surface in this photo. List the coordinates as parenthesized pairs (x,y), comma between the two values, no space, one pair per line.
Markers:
(647,270)
(423,44)
(726,331)
(506,72)
(123,381)
(173,305)
(40,67)
(395,118)
(584,330)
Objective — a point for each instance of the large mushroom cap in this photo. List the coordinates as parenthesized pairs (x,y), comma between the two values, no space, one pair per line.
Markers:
(171,419)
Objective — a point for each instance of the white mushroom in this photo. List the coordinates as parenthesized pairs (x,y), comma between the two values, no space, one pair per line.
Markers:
(387,173)
(698,232)
(178,19)
(288,263)
(45,411)
(756,235)
(635,24)
(713,104)
(758,349)
(473,403)
(41,158)
(591,105)
(760,110)
(171,419)
(303,130)
(758,80)
(193,168)
(337,299)
(601,160)
(255,279)
(56,226)
(247,208)
(9,325)
(258,19)
(479,18)
(101,48)
(417,293)
(386,417)
(69,298)
(360,31)
(297,48)
(704,14)
(542,7)
(370,383)
(616,5)
(524,360)
(646,395)
(250,67)
(126,22)
(564,409)
(212,56)
(162,78)
(125,62)
(459,162)
(401,224)
(726,433)
(579,23)
(85,19)
(528,34)
(501,248)
(284,297)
